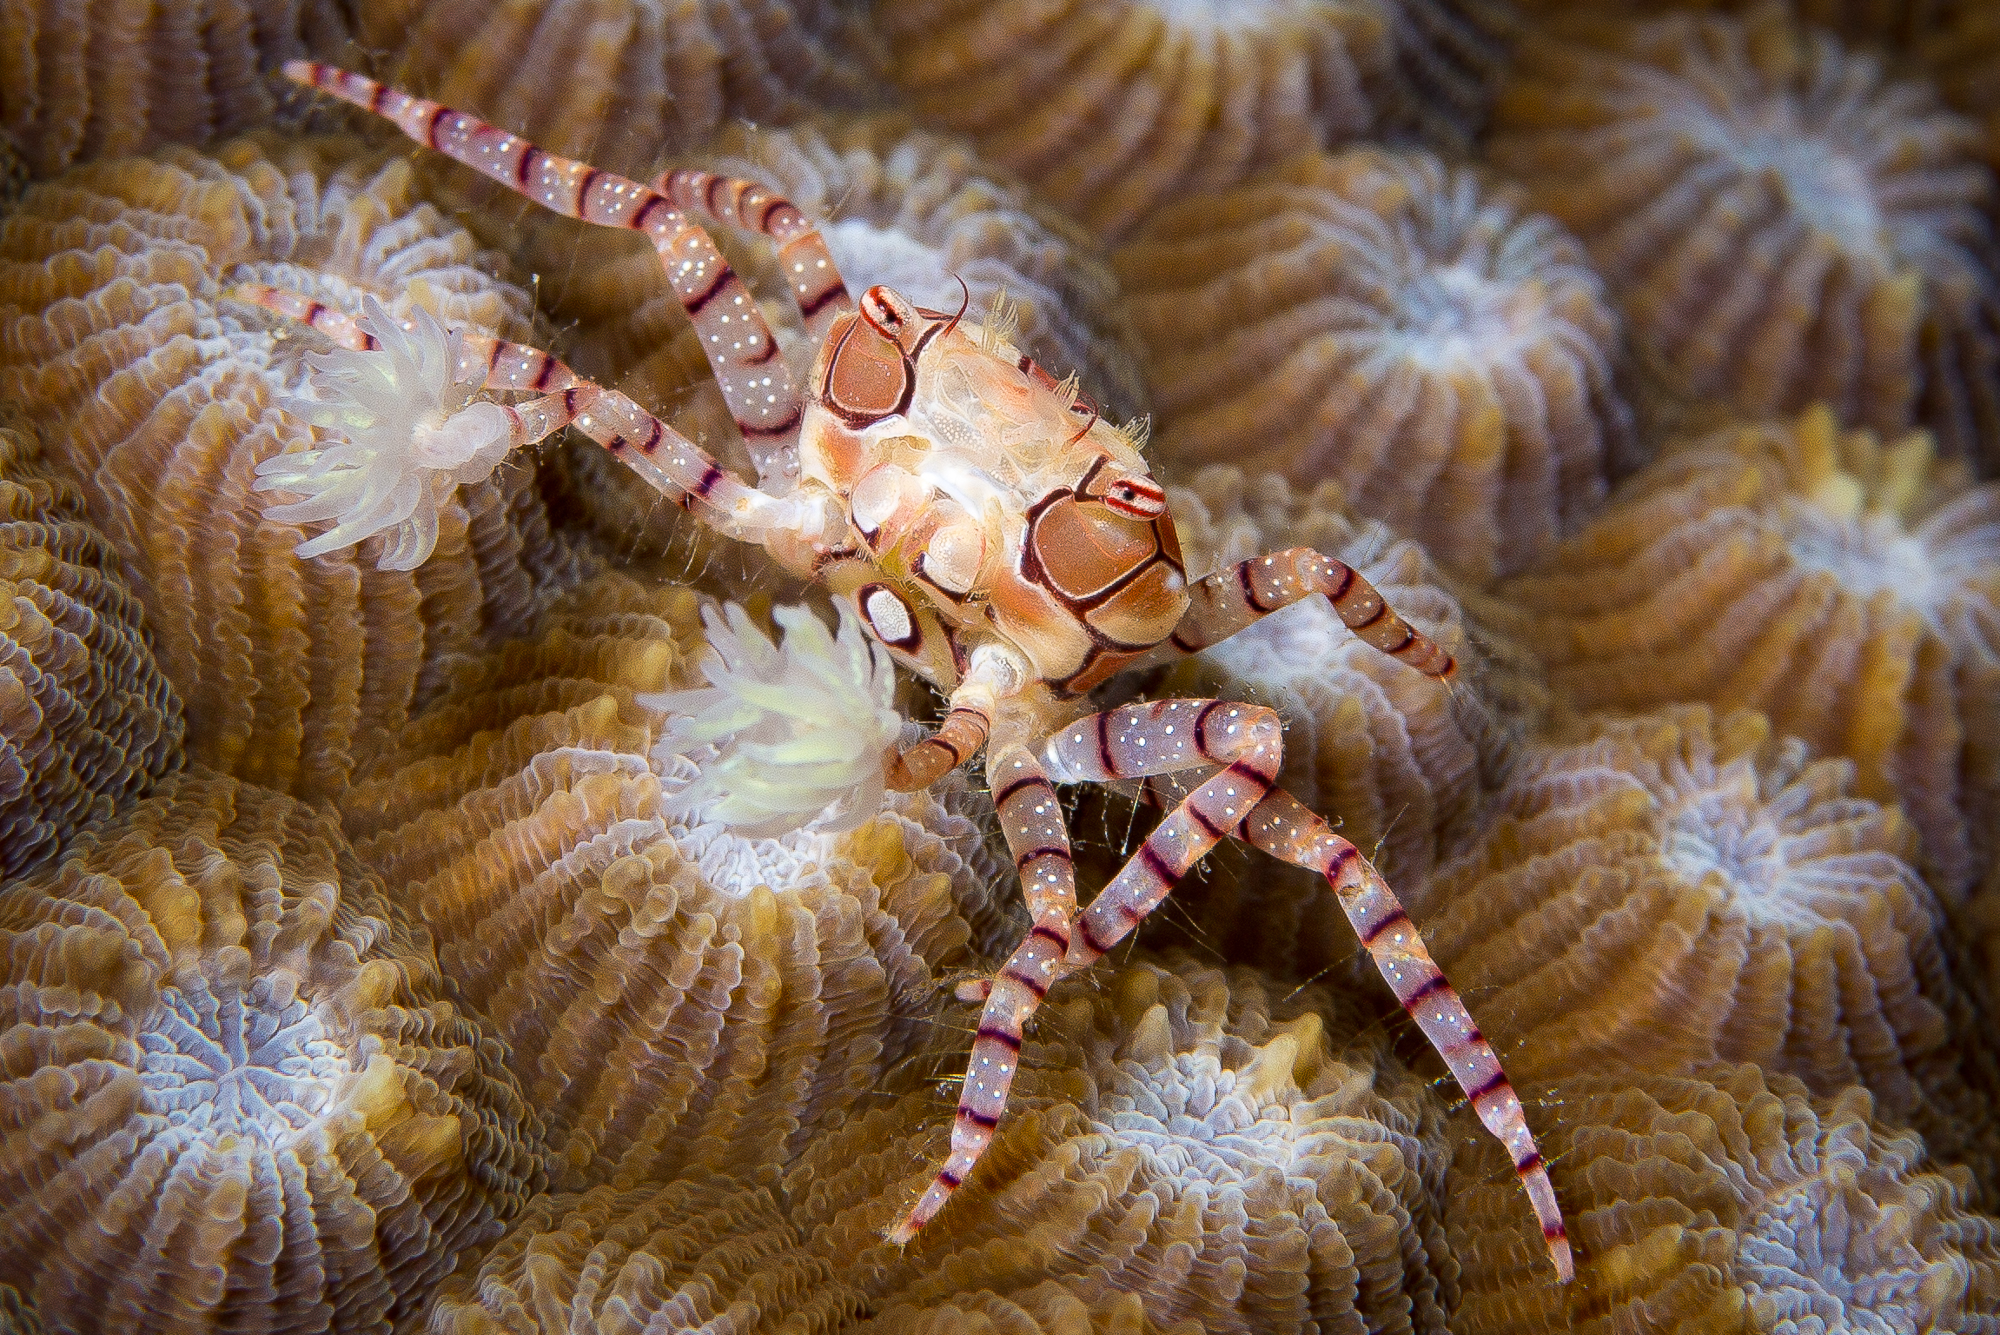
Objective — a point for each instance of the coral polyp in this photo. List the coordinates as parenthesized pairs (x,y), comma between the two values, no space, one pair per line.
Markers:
(1391,324)
(1782,221)
(240,1097)
(1748,560)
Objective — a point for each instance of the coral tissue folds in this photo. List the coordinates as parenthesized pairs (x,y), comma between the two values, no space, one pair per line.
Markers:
(235,1095)
(1782,221)
(1384,321)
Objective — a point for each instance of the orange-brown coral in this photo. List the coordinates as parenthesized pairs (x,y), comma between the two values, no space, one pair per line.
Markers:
(1844,585)
(1726,1200)
(1781,222)
(674,997)
(121,341)
(1114,109)
(1963,54)
(87,722)
(1386,322)
(1679,888)
(1188,1152)
(81,82)
(624,82)
(234,1093)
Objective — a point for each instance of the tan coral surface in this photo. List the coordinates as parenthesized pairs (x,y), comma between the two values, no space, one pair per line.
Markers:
(235,1093)
(1189,1151)
(1726,1200)
(1677,888)
(1396,326)
(1781,220)
(1843,584)
(123,342)
(87,721)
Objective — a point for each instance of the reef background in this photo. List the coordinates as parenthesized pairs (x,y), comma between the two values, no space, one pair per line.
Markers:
(363,974)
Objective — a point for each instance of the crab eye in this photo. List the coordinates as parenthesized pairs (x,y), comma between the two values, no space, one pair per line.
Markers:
(1141,500)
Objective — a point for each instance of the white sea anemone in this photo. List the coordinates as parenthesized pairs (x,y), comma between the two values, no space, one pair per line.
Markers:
(407,432)
(798,734)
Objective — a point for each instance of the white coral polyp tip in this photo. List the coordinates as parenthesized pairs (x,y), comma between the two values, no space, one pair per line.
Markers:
(405,433)
(799,733)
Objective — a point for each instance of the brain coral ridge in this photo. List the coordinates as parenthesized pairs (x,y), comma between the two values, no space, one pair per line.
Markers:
(87,720)
(158,395)
(234,1094)
(1187,1151)
(1679,888)
(1780,220)
(674,998)
(1387,322)
(1114,109)
(1727,1199)
(1750,561)
(84,82)
(625,82)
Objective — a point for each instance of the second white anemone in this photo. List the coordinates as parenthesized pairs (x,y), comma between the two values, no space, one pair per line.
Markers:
(407,433)
(799,733)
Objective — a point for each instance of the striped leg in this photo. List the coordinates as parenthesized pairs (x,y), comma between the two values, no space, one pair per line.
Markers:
(1130,742)
(1229,600)
(1032,819)
(756,383)
(508,365)
(671,463)
(810,273)
(1283,827)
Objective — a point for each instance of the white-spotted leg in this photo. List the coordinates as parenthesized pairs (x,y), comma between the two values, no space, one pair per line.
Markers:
(671,463)
(1241,595)
(1282,826)
(811,276)
(1131,742)
(756,383)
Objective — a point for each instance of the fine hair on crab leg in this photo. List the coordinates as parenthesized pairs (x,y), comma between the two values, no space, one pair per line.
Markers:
(1282,826)
(811,276)
(1240,595)
(1130,742)
(756,383)
(508,365)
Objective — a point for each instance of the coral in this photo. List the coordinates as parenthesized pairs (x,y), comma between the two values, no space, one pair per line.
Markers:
(1386,322)
(83,82)
(1726,1200)
(86,720)
(17,1316)
(672,994)
(234,1093)
(1780,221)
(1681,888)
(1114,109)
(1188,1151)
(624,83)
(1963,55)
(122,342)
(1751,562)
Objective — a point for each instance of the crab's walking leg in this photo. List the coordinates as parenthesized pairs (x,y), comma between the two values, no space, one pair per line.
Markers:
(1233,598)
(1031,816)
(810,274)
(756,383)
(1131,742)
(1282,826)
(992,674)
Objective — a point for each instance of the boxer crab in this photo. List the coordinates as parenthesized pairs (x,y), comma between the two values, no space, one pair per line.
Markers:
(986,525)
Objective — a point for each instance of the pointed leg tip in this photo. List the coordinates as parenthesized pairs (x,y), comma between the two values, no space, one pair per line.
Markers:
(901,1234)
(1559,1253)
